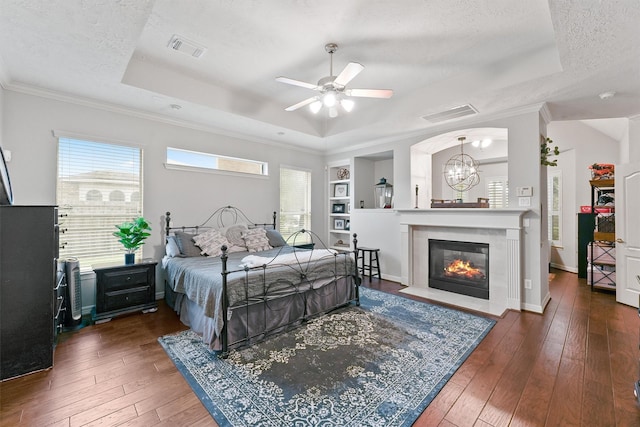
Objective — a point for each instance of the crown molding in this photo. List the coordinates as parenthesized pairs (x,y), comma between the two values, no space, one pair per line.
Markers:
(131,112)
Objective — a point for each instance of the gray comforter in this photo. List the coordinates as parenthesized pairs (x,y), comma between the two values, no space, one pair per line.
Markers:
(200,278)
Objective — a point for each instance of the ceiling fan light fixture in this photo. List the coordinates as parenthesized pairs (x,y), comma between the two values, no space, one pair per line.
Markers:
(347,104)
(329,99)
(333,89)
(315,106)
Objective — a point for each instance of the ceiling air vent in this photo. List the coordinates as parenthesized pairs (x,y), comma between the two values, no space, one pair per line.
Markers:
(453,113)
(188,47)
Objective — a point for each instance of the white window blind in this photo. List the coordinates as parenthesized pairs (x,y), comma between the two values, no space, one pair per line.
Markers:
(498,192)
(99,185)
(554,207)
(295,203)
(187,159)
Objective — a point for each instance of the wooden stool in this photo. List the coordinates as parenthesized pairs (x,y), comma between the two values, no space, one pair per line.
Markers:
(373,266)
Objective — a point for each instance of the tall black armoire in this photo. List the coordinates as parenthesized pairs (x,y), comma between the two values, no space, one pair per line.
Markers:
(28,264)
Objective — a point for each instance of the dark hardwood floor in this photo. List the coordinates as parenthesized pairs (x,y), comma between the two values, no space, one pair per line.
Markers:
(575,365)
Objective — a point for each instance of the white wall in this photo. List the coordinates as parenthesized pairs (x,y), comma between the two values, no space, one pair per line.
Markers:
(385,222)
(632,154)
(580,146)
(190,196)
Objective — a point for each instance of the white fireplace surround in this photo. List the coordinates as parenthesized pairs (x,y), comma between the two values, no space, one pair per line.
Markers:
(500,228)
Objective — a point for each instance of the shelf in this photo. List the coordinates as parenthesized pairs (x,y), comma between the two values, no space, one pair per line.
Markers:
(600,236)
(602,271)
(340,231)
(607,263)
(604,286)
(602,183)
(339,191)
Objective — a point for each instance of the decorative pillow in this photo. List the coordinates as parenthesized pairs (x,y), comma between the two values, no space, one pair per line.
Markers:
(234,234)
(171,248)
(211,242)
(186,244)
(275,238)
(256,239)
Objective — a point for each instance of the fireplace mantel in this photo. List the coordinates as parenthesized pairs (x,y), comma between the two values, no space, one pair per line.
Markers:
(463,217)
(500,228)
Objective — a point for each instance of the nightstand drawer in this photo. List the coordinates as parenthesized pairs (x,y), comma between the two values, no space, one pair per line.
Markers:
(125,279)
(129,297)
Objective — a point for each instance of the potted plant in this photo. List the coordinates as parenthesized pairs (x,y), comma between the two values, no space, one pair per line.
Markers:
(546,151)
(132,236)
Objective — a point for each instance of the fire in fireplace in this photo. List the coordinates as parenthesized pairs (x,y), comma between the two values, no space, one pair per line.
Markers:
(460,267)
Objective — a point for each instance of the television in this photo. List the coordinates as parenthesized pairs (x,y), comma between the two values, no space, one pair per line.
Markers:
(6,194)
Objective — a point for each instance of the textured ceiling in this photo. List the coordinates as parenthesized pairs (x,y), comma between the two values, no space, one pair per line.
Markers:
(497,55)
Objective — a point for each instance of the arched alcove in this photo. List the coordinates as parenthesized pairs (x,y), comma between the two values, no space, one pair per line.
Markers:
(429,156)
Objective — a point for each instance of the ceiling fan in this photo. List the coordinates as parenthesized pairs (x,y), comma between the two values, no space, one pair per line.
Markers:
(332,88)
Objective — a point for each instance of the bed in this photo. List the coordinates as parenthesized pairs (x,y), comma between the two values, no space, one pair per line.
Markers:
(235,282)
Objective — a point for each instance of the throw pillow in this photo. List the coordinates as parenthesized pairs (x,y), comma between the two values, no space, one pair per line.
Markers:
(256,240)
(211,242)
(186,244)
(234,234)
(275,238)
(171,248)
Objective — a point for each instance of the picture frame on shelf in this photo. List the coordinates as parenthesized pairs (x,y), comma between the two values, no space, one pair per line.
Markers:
(348,208)
(338,224)
(341,190)
(347,224)
(337,208)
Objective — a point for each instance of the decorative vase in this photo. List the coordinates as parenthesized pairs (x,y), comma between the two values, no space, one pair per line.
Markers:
(129,259)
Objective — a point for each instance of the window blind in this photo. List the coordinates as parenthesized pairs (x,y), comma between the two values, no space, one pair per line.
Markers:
(498,192)
(99,185)
(295,203)
(554,207)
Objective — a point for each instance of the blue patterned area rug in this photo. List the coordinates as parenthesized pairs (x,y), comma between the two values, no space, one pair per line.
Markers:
(380,364)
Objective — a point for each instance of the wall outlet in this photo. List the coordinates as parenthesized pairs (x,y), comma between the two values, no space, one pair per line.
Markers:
(527,283)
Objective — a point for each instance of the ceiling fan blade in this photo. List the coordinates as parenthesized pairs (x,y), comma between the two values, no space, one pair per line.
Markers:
(350,71)
(301,104)
(289,81)
(369,93)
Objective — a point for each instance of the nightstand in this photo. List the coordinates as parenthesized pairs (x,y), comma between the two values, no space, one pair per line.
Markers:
(122,289)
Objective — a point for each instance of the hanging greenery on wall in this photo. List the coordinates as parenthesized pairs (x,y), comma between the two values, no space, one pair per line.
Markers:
(546,151)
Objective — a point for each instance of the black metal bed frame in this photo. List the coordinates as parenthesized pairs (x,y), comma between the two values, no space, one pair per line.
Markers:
(235,213)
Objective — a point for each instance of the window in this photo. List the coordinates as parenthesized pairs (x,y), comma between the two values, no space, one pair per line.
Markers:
(554,193)
(498,191)
(95,180)
(186,159)
(295,203)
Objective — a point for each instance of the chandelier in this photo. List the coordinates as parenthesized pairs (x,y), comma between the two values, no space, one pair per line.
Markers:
(461,170)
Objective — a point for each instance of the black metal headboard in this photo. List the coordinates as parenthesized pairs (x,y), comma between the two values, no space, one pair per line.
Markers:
(221,217)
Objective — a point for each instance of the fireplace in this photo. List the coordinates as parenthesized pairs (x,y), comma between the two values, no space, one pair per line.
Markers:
(460,267)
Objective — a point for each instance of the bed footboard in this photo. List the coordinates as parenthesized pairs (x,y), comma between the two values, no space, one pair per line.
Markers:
(255,318)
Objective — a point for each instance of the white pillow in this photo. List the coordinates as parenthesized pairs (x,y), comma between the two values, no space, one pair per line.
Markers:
(256,240)
(211,242)
(171,248)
